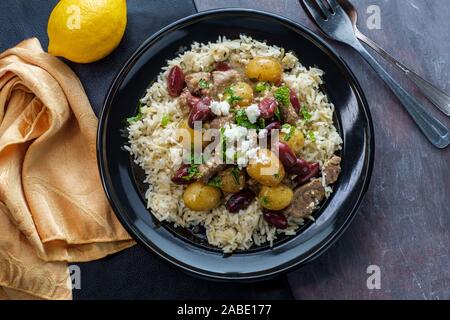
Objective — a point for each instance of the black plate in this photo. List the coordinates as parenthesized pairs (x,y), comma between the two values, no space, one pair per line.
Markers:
(352,115)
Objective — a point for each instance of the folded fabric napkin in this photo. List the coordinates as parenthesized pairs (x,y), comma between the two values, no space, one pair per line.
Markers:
(52,206)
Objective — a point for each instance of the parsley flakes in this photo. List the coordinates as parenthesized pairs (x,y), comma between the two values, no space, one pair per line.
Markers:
(264,200)
(138,116)
(232,98)
(312,136)
(193,172)
(282,95)
(215,182)
(306,114)
(165,120)
(242,120)
(235,173)
(291,132)
(262,86)
(203,84)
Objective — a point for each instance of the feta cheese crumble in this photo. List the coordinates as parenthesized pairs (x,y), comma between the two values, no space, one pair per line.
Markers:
(253,113)
(220,108)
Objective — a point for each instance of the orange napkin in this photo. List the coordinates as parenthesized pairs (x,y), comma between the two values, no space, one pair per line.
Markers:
(52,206)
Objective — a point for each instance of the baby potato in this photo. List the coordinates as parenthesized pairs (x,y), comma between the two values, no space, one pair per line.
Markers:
(200,197)
(264,69)
(266,169)
(295,140)
(240,93)
(232,180)
(276,197)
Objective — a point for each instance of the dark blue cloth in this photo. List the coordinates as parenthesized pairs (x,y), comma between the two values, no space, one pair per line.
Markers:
(133,273)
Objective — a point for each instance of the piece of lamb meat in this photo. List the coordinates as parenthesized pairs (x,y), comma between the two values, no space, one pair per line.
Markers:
(306,198)
(186,101)
(331,169)
(223,79)
(220,122)
(194,82)
(209,170)
(289,115)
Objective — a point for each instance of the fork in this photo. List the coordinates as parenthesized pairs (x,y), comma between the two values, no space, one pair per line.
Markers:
(335,24)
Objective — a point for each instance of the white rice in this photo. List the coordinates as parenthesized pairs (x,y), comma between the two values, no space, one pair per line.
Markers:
(156,150)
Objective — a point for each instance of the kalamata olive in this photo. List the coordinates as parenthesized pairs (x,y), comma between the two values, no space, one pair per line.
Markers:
(301,168)
(192,101)
(222,66)
(277,219)
(294,101)
(276,125)
(286,155)
(175,81)
(240,200)
(200,112)
(180,176)
(267,107)
(313,171)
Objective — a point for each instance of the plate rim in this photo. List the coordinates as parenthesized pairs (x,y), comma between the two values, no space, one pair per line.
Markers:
(286,266)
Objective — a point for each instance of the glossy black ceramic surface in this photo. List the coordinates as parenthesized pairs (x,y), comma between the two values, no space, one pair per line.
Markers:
(178,247)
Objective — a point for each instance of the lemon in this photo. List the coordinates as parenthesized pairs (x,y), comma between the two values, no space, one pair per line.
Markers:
(85,31)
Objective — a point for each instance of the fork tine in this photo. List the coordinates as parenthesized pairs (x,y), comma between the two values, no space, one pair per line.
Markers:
(312,10)
(335,6)
(323,7)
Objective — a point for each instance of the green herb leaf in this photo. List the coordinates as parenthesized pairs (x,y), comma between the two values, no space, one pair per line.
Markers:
(193,172)
(232,98)
(242,120)
(215,182)
(138,116)
(277,175)
(165,120)
(305,113)
(223,142)
(277,114)
(291,129)
(196,158)
(312,136)
(261,123)
(134,119)
(235,173)
(282,95)
(262,86)
(203,84)
(264,200)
